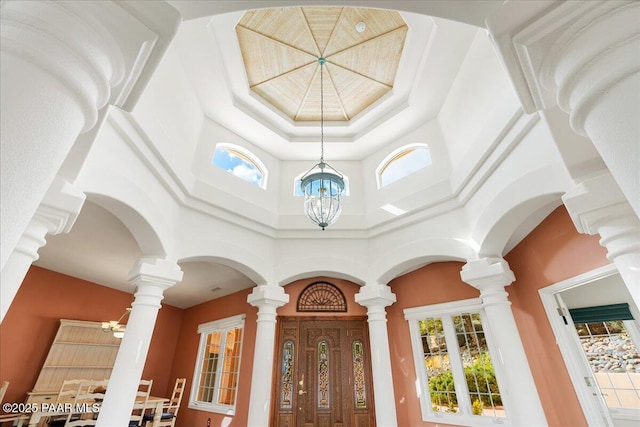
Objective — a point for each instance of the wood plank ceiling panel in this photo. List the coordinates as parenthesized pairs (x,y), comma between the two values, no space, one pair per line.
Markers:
(280,49)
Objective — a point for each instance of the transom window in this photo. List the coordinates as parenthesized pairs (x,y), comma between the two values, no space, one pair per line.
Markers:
(456,375)
(401,163)
(215,379)
(241,163)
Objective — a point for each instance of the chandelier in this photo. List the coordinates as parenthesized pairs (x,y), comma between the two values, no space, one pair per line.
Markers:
(115,326)
(322,184)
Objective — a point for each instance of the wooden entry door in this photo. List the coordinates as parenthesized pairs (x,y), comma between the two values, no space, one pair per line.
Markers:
(323,374)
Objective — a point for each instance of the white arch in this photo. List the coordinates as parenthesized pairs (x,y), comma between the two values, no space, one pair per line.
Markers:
(400,260)
(526,200)
(473,12)
(140,227)
(252,265)
(338,268)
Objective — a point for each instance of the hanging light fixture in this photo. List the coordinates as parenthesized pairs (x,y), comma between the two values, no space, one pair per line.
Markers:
(322,184)
(115,326)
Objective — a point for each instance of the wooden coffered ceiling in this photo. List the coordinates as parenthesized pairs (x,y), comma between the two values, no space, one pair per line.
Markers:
(280,49)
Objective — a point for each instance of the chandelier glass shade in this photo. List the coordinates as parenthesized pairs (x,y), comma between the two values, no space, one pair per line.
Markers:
(323,194)
(115,326)
(322,185)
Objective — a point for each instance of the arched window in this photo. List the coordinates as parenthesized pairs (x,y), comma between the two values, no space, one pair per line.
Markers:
(297,187)
(402,162)
(321,297)
(241,163)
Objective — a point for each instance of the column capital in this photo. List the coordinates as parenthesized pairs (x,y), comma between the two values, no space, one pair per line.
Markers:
(550,47)
(371,296)
(60,207)
(158,272)
(264,296)
(596,202)
(487,273)
(104,52)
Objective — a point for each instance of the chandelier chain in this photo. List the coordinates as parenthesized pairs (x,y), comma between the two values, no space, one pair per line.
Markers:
(321,112)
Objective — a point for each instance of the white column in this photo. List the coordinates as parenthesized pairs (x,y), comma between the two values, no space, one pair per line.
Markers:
(376,298)
(56,214)
(582,55)
(151,277)
(60,63)
(267,298)
(597,206)
(517,388)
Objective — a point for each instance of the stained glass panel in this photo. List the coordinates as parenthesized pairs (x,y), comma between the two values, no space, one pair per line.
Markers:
(323,375)
(357,352)
(286,399)
(322,297)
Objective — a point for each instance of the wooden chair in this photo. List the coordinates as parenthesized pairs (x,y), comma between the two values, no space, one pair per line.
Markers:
(169,409)
(3,390)
(140,405)
(67,394)
(90,392)
(16,419)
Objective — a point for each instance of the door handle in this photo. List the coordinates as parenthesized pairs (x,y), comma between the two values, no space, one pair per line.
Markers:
(301,386)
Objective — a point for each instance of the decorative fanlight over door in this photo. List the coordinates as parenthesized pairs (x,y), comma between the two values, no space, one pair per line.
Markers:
(321,297)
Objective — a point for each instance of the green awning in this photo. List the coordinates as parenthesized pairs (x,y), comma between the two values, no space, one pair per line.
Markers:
(601,313)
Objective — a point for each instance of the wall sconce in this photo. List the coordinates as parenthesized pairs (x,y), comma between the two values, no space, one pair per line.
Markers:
(115,326)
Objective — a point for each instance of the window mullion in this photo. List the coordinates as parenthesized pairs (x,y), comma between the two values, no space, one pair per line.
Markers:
(462,392)
(633,331)
(220,367)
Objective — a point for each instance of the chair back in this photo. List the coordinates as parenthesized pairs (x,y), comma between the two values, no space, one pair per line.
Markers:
(21,418)
(69,389)
(170,409)
(140,405)
(176,396)
(82,413)
(3,390)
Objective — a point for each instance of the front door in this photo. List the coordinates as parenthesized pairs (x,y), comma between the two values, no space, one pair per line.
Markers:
(323,374)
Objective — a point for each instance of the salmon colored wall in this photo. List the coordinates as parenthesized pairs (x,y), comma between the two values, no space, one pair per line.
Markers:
(187,352)
(554,251)
(433,284)
(232,305)
(31,323)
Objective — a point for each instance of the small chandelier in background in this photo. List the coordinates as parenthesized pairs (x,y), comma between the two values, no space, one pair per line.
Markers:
(115,326)
(322,184)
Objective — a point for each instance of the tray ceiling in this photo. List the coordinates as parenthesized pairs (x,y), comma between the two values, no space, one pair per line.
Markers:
(280,50)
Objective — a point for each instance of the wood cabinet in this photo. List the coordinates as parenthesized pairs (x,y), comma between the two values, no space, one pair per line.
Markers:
(80,350)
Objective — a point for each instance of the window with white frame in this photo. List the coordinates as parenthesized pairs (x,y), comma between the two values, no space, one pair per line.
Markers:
(402,162)
(241,163)
(215,379)
(452,352)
